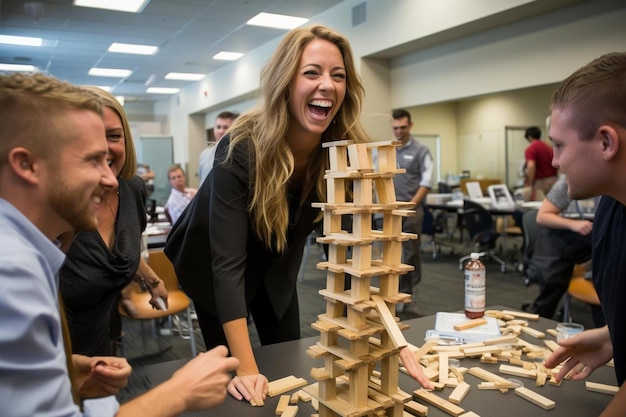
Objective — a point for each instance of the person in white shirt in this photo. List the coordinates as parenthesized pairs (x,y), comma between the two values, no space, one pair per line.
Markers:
(180,196)
(222,124)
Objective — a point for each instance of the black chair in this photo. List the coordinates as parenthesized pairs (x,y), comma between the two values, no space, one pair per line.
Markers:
(482,231)
(530,228)
(444,188)
(432,225)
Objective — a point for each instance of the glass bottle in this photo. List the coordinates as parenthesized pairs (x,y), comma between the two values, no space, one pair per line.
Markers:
(475,286)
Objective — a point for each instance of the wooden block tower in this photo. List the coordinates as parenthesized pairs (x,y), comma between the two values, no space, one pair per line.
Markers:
(360,337)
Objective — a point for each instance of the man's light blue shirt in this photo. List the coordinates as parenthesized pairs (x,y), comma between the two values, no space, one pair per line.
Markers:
(34,379)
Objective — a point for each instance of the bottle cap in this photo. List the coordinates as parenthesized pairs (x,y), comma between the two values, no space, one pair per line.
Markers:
(474,255)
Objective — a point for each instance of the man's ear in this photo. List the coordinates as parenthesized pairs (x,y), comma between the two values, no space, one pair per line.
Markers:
(610,141)
(22,161)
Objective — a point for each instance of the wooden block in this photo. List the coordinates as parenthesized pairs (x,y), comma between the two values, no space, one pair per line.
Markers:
(303,396)
(469,414)
(470,323)
(290,411)
(522,314)
(416,408)
(444,405)
(496,385)
(517,371)
(395,335)
(533,397)
(283,402)
(533,332)
(509,339)
(551,332)
(602,388)
(294,398)
(282,385)
(459,393)
(478,351)
(551,344)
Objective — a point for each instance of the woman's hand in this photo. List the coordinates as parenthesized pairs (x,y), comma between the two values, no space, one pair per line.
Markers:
(414,369)
(253,388)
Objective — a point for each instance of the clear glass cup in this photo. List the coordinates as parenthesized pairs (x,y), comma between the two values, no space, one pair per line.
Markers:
(567,330)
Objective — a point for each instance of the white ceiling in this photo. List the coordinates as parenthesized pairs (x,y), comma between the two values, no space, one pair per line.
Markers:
(187,32)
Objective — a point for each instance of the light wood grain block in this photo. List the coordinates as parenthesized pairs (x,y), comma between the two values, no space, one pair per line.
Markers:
(442,404)
(533,397)
(602,388)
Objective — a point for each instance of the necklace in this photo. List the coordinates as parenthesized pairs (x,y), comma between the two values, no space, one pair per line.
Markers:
(110,208)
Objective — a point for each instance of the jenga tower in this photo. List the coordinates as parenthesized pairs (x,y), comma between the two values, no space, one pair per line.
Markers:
(360,337)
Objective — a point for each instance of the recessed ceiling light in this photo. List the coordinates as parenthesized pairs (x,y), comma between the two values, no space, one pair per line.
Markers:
(184,76)
(134,6)
(129,48)
(227,56)
(110,72)
(21,40)
(278,21)
(162,90)
(18,67)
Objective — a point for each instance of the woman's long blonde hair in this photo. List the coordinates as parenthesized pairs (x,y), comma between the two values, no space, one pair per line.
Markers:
(265,128)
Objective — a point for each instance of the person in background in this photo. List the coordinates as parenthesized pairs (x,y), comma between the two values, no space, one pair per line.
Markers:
(540,174)
(54,178)
(180,196)
(222,124)
(588,130)
(147,175)
(412,186)
(564,240)
(101,263)
(246,228)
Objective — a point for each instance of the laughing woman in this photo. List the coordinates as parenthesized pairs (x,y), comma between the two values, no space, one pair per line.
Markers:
(237,248)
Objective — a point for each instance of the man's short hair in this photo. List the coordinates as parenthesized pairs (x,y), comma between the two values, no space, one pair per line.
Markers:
(227,115)
(533,133)
(401,114)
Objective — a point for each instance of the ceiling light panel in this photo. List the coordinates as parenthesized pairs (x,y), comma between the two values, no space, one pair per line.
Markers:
(162,90)
(227,56)
(133,6)
(277,21)
(184,76)
(129,48)
(17,67)
(110,72)
(21,40)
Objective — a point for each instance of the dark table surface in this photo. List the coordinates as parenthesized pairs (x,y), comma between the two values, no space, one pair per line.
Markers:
(290,358)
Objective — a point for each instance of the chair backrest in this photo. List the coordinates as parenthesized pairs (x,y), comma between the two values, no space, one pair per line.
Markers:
(163,267)
(531,231)
(444,188)
(428,225)
(479,223)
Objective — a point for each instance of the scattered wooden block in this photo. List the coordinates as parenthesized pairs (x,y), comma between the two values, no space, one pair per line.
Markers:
(416,408)
(509,339)
(283,402)
(282,385)
(533,397)
(469,414)
(602,388)
(395,334)
(496,385)
(459,393)
(524,315)
(290,411)
(551,332)
(470,323)
(517,371)
(440,403)
(533,332)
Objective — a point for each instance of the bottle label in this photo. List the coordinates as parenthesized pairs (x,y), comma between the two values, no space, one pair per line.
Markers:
(475,290)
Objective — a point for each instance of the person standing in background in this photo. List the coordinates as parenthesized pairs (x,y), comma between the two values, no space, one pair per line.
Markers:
(540,174)
(412,186)
(180,196)
(222,123)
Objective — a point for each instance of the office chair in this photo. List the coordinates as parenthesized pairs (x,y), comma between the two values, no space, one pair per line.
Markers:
(178,301)
(530,229)
(432,225)
(482,231)
(580,288)
(444,188)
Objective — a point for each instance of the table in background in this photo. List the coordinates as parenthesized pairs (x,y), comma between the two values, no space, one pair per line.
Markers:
(290,358)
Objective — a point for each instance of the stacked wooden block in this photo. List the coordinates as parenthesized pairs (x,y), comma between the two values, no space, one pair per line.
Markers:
(360,337)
